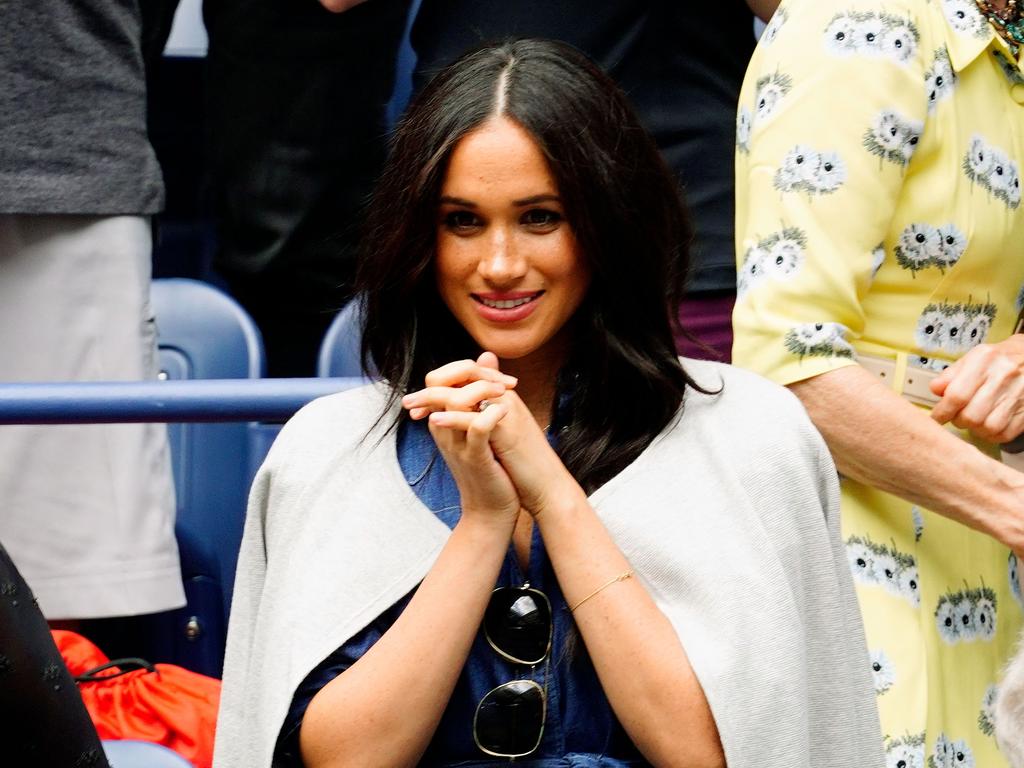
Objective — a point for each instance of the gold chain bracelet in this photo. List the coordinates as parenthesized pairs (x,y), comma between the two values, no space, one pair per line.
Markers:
(620,577)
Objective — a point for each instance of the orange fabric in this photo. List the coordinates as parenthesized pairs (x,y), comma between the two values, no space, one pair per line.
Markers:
(172,706)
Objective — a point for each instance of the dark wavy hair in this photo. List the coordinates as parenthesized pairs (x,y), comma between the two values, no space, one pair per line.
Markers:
(624,381)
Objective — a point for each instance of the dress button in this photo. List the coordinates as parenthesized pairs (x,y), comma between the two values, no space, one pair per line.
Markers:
(1017,92)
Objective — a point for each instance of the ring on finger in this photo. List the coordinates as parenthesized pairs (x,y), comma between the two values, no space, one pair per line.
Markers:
(484,405)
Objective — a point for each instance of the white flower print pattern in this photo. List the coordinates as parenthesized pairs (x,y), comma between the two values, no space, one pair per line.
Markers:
(882,671)
(1008,67)
(770,90)
(777,256)
(862,560)
(918,517)
(899,42)
(819,340)
(772,29)
(872,35)
(893,137)
(953,331)
(840,35)
(804,169)
(919,247)
(880,565)
(964,17)
(1012,574)
(963,613)
(743,126)
(951,754)
(953,328)
(939,80)
(993,170)
(987,715)
(945,622)
(905,752)
(967,616)
(984,618)
(927,364)
(952,244)
(877,259)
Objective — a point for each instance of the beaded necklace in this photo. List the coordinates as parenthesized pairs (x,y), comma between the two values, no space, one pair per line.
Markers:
(1007,22)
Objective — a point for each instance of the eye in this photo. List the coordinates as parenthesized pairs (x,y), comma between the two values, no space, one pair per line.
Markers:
(541,219)
(461,221)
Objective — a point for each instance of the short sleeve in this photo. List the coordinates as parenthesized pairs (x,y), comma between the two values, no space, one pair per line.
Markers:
(832,110)
(286,752)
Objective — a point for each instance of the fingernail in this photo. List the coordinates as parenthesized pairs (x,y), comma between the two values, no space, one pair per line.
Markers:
(409,400)
(440,418)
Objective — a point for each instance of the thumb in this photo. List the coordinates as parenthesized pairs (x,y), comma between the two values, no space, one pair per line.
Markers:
(488,360)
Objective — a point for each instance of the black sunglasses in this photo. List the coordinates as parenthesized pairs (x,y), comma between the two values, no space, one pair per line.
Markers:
(509,720)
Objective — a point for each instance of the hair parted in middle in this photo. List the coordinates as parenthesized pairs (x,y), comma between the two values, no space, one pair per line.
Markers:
(623,379)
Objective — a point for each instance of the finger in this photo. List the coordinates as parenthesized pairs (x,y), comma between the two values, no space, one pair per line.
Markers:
(475,426)
(995,412)
(959,391)
(939,383)
(465,371)
(465,398)
(488,360)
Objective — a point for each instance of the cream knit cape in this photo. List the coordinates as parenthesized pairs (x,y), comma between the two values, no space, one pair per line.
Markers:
(730,519)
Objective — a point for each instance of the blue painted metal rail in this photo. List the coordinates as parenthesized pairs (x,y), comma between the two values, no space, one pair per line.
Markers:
(204,400)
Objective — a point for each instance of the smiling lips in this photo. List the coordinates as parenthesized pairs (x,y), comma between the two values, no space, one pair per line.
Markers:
(508,307)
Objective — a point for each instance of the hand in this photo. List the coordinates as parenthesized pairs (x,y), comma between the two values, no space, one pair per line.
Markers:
(485,489)
(984,391)
(518,444)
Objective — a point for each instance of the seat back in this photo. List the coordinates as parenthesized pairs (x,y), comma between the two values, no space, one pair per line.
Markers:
(339,351)
(130,753)
(204,334)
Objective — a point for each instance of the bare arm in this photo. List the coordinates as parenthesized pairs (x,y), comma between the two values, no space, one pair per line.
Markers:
(384,709)
(642,666)
(878,438)
(636,652)
(763,9)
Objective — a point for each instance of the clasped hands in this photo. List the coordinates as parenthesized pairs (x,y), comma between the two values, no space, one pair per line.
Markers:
(983,391)
(500,457)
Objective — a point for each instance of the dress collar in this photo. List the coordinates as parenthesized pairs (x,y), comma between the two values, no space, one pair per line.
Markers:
(970,34)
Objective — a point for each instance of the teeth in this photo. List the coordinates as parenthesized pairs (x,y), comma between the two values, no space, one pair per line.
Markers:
(507,304)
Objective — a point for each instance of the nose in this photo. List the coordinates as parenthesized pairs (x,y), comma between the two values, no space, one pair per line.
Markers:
(502,262)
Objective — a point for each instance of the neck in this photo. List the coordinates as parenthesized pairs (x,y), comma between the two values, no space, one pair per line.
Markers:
(536,387)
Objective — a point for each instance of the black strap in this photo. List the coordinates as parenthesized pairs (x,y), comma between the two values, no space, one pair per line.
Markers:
(126,665)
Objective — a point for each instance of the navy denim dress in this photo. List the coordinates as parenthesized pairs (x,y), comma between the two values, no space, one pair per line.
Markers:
(580,731)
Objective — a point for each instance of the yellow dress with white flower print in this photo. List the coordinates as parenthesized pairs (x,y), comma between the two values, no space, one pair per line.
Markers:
(879,213)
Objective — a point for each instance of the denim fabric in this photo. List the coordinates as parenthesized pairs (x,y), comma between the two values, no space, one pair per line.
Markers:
(581,731)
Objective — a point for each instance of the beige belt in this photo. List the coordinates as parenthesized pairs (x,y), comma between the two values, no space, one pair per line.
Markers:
(914,386)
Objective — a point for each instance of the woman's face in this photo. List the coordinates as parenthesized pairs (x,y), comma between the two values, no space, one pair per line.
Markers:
(508,265)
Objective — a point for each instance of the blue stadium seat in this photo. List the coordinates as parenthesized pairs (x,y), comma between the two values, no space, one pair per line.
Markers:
(204,334)
(128,753)
(339,351)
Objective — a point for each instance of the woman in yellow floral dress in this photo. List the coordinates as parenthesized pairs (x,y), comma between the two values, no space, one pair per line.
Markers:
(880,241)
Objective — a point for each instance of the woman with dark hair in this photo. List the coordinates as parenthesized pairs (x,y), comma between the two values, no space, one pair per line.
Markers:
(565,547)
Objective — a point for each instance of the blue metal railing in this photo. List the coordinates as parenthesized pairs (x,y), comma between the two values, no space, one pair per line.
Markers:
(207,400)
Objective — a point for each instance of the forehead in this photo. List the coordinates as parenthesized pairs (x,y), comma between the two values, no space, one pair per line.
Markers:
(498,158)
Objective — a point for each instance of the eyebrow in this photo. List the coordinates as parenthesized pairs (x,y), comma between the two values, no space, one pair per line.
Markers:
(449,200)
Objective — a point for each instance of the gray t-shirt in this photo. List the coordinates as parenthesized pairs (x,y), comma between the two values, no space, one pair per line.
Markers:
(73,110)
